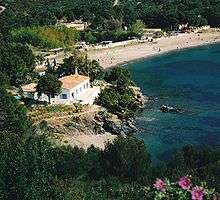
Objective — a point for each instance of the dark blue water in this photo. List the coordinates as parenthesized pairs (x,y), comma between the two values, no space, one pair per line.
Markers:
(189,79)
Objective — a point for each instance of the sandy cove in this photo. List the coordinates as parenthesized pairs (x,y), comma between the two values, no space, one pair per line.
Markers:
(119,55)
(115,56)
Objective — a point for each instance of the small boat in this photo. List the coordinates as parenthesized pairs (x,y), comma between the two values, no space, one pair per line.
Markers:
(171,109)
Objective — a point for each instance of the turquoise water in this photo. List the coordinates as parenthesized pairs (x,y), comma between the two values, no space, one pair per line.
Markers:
(189,79)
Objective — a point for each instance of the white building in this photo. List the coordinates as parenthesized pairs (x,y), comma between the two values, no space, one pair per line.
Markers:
(79,25)
(75,88)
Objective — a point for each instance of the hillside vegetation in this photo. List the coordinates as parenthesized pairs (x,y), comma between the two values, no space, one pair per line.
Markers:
(104,14)
(46,36)
(34,167)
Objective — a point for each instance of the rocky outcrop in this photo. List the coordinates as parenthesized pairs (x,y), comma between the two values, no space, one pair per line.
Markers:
(112,124)
(99,121)
(119,128)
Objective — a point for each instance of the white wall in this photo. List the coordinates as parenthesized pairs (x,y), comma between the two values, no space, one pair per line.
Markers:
(58,99)
(115,44)
(79,90)
(73,94)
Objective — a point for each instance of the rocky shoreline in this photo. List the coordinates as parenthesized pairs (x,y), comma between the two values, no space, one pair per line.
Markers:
(93,122)
(117,127)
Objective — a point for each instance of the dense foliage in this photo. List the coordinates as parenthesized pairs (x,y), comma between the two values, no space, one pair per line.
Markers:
(130,160)
(16,62)
(33,168)
(50,85)
(46,37)
(119,98)
(12,115)
(26,163)
(119,77)
(84,66)
(114,32)
(202,163)
(120,102)
(106,15)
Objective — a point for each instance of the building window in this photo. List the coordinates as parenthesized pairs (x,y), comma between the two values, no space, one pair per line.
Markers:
(63,96)
(87,85)
(76,92)
(73,94)
(84,86)
(80,89)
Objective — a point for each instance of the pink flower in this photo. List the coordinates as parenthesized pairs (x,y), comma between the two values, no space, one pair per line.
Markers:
(214,197)
(160,185)
(184,183)
(197,193)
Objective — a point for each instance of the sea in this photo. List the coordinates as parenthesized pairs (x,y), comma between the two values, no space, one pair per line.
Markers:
(188,79)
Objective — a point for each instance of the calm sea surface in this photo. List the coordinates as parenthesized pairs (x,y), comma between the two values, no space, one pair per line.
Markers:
(189,79)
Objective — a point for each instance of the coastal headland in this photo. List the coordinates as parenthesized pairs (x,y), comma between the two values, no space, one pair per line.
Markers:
(111,57)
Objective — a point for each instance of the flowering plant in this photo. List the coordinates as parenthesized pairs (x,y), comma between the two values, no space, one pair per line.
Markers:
(183,189)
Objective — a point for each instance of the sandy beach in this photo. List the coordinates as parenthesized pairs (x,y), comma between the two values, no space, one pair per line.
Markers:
(119,55)
(85,141)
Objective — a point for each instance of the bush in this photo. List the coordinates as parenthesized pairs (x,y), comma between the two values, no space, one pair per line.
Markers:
(202,164)
(181,190)
(119,77)
(121,103)
(46,37)
(126,158)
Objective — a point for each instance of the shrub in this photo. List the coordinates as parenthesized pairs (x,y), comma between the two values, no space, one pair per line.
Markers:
(46,37)
(126,158)
(182,189)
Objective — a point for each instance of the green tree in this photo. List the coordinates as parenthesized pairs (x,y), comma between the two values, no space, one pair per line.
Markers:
(70,162)
(126,158)
(12,167)
(85,67)
(49,85)
(119,97)
(88,37)
(26,54)
(27,162)
(12,114)
(119,77)
(94,166)
(68,67)
(118,102)
(137,28)
(46,36)
(202,163)
(4,80)
(16,61)
(92,69)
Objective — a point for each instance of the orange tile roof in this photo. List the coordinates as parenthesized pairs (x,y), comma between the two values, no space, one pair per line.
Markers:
(29,87)
(71,81)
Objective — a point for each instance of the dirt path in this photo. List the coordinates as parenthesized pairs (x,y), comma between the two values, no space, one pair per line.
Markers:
(92,109)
